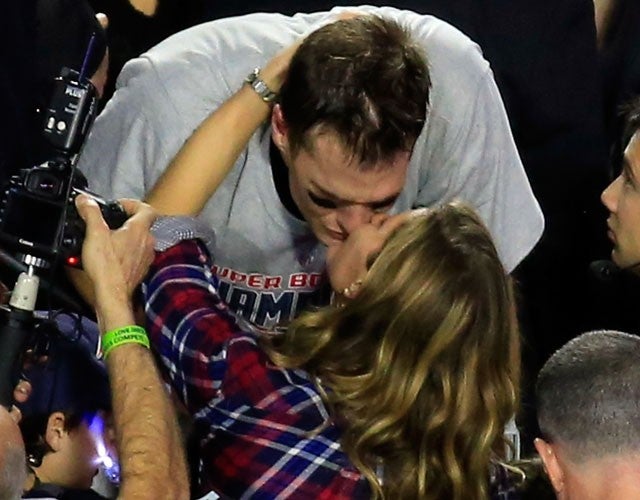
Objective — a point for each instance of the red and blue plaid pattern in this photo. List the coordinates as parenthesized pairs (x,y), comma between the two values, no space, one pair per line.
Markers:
(256,423)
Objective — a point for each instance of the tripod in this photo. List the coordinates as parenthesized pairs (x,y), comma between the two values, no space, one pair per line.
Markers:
(16,326)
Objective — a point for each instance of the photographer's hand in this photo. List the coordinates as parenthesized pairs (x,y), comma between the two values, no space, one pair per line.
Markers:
(21,393)
(147,436)
(121,255)
(125,253)
(133,241)
(109,285)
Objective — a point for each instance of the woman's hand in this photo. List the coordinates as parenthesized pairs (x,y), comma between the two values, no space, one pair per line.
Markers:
(349,261)
(275,70)
(273,74)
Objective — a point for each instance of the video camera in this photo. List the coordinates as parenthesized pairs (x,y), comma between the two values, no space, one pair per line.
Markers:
(39,224)
(38,219)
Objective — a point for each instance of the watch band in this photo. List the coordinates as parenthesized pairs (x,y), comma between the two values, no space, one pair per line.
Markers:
(260,87)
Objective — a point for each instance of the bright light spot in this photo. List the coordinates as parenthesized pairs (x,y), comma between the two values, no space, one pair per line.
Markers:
(109,465)
(107,461)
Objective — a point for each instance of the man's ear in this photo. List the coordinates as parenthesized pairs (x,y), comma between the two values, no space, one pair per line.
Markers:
(551,464)
(55,430)
(279,128)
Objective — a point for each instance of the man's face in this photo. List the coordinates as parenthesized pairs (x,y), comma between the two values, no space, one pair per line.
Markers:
(334,192)
(622,199)
(81,457)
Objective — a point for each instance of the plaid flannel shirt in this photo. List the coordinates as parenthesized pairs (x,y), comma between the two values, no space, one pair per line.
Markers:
(255,422)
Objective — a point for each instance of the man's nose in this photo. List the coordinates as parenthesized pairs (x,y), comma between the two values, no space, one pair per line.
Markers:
(609,196)
(352,217)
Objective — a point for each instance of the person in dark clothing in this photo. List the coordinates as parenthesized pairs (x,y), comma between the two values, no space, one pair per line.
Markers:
(619,56)
(17,30)
(44,36)
(65,412)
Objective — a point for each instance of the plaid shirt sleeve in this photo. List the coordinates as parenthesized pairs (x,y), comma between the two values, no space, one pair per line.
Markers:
(259,439)
(188,324)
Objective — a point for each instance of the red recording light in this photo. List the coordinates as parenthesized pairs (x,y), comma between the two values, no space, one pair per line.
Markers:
(73,261)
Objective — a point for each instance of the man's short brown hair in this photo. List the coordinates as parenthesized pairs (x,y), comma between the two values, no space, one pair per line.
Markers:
(362,78)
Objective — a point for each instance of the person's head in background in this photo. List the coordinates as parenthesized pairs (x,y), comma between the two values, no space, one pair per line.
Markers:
(422,361)
(350,109)
(588,403)
(70,396)
(622,198)
(12,458)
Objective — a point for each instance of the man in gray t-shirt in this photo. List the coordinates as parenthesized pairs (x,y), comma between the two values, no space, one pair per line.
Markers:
(348,138)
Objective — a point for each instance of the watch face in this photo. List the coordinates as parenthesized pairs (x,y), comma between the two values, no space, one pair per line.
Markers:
(259,86)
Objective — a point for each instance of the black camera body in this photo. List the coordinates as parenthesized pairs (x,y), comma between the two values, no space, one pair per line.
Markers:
(38,218)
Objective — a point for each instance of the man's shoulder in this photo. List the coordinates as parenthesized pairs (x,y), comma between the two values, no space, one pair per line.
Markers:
(224,50)
(449,51)
(232,41)
(432,33)
(212,59)
(456,63)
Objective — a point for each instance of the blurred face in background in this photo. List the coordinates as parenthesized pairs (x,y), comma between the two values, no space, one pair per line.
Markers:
(73,459)
(622,199)
(82,456)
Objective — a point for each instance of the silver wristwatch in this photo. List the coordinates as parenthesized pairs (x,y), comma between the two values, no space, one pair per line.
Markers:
(261,88)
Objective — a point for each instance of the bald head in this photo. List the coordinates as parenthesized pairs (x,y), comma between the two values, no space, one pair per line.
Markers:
(12,458)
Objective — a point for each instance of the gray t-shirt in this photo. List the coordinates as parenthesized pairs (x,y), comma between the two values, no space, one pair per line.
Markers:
(267,260)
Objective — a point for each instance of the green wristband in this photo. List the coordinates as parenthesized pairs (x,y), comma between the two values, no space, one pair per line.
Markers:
(125,335)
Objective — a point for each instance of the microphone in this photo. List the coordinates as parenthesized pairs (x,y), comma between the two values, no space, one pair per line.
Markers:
(604,270)
(607,270)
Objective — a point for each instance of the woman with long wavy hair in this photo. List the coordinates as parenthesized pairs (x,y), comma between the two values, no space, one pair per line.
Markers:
(421,367)
(400,390)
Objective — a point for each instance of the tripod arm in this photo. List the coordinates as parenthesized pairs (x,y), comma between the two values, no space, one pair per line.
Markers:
(15,329)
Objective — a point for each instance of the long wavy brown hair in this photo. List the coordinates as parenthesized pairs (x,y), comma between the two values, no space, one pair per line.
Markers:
(421,369)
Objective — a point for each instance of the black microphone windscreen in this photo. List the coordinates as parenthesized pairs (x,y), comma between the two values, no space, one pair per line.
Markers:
(604,270)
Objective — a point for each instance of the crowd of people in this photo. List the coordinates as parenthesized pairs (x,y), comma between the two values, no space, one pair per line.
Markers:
(316,298)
